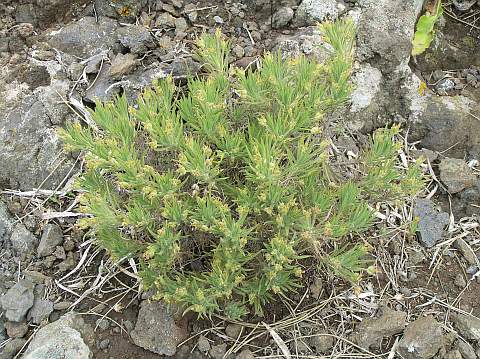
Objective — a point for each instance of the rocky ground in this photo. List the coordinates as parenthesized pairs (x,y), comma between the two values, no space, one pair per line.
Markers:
(60,297)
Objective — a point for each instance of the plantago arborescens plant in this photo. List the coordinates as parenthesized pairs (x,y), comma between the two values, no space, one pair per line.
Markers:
(220,189)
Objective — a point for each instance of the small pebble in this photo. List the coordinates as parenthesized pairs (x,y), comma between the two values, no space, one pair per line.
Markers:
(218,351)
(460,281)
(102,323)
(104,344)
(177,4)
(203,344)
(128,325)
(62,305)
(99,308)
(218,19)
(238,51)
(245,354)
(233,330)
(472,269)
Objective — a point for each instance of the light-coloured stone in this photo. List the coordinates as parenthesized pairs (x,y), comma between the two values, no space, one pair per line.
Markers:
(65,338)
(309,12)
(157,330)
(422,339)
(367,85)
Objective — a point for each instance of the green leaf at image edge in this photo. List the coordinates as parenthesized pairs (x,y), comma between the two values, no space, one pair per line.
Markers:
(425,30)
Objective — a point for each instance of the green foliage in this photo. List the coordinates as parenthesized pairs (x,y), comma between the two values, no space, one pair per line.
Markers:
(220,190)
(425,30)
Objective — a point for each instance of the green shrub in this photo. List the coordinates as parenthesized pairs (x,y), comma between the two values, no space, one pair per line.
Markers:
(221,190)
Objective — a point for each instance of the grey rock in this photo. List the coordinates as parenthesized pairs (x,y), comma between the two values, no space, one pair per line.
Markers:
(453,354)
(465,349)
(105,9)
(62,305)
(55,110)
(22,240)
(43,14)
(316,288)
(445,53)
(102,323)
(93,65)
(466,251)
(2,330)
(128,326)
(36,277)
(115,9)
(456,174)
(165,20)
(463,5)
(52,237)
(59,253)
(12,348)
(422,339)
(471,269)
(309,12)
(104,344)
(190,11)
(233,330)
(203,344)
(218,351)
(322,343)
(245,354)
(384,39)
(437,75)
(445,86)
(41,310)
(367,87)
(302,347)
(68,263)
(372,330)
(65,338)
(460,281)
(122,65)
(16,330)
(467,326)
(136,38)
(30,144)
(445,125)
(25,13)
(282,17)
(178,4)
(157,329)
(180,24)
(218,19)
(308,41)
(103,89)
(85,37)
(426,154)
(462,203)
(184,352)
(6,223)
(17,301)
(431,223)
(238,51)
(169,8)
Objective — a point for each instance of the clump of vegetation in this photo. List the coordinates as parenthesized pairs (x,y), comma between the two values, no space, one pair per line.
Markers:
(222,189)
(425,30)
